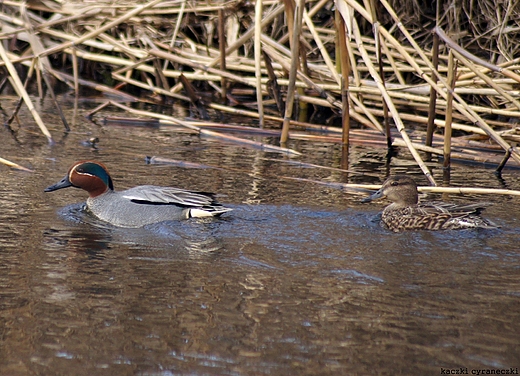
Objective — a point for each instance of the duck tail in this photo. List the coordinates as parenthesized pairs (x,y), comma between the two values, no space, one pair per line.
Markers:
(207,211)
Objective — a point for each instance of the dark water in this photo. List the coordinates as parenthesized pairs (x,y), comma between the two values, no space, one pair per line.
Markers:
(298,279)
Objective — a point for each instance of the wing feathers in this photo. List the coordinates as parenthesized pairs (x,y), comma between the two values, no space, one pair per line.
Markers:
(153,195)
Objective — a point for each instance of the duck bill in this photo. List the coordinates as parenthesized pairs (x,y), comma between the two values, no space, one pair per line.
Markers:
(63,183)
(374,196)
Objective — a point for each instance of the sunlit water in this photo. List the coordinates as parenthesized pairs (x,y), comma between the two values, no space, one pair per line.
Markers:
(298,279)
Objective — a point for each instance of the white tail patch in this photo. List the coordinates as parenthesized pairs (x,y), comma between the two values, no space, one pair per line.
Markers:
(199,213)
(204,213)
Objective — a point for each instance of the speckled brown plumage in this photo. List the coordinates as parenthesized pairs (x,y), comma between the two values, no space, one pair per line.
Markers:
(406,213)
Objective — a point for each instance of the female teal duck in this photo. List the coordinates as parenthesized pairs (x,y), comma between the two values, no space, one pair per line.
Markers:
(138,206)
(405,213)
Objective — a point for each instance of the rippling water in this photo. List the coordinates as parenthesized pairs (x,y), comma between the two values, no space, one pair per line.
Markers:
(298,279)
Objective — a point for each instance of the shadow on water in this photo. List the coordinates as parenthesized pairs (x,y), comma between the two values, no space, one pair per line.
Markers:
(297,279)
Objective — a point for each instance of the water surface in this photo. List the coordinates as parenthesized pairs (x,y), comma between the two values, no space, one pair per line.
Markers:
(298,279)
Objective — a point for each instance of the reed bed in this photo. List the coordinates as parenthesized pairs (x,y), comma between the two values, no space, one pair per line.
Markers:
(437,81)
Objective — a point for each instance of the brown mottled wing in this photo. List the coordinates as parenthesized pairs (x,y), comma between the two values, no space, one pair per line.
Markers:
(454,209)
(415,218)
(436,216)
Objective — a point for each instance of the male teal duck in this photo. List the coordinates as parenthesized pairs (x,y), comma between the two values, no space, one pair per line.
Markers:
(138,206)
(405,213)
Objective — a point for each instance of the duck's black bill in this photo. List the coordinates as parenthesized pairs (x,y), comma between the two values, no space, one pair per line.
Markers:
(373,196)
(63,183)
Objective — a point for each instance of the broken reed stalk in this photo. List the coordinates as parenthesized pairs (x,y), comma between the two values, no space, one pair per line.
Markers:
(430,128)
(258,61)
(386,118)
(391,60)
(303,107)
(367,188)
(178,27)
(39,79)
(273,87)
(345,74)
(318,40)
(222,47)
(452,77)
(469,190)
(14,165)
(377,39)
(306,81)
(295,62)
(502,164)
(75,72)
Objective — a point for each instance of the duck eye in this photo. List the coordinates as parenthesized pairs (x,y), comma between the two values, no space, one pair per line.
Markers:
(80,169)
(394,183)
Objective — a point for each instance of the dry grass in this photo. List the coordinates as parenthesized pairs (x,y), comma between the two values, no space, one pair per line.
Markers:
(207,54)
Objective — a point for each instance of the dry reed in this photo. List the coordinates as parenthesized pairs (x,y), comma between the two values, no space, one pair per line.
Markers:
(278,51)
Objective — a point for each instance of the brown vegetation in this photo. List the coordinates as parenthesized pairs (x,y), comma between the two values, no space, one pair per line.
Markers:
(242,58)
